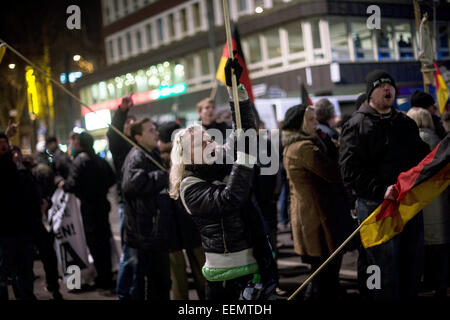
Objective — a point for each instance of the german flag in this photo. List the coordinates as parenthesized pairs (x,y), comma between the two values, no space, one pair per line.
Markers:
(441,89)
(245,78)
(417,188)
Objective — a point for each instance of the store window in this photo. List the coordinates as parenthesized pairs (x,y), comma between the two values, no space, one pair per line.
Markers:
(273,43)
(339,40)
(443,41)
(254,49)
(385,42)
(242,6)
(362,40)
(403,38)
(295,37)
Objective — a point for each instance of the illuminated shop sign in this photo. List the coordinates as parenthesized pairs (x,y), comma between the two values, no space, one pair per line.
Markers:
(140,97)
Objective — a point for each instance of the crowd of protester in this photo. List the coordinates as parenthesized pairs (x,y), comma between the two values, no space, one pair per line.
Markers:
(222,219)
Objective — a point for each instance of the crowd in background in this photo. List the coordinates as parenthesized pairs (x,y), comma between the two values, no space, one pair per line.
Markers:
(332,175)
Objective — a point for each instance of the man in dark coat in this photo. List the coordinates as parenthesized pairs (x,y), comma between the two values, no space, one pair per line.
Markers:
(377,144)
(19,214)
(90,179)
(146,223)
(119,148)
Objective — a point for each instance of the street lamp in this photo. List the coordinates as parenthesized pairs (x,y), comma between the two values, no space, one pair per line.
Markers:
(11,66)
(76,57)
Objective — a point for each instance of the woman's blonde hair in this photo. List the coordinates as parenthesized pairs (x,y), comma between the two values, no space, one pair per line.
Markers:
(306,126)
(180,150)
(422,118)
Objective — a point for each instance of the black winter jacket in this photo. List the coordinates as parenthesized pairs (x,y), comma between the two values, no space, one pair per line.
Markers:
(375,149)
(216,207)
(147,205)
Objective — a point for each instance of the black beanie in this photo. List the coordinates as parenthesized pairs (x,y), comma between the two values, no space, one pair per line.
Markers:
(376,78)
(86,141)
(421,99)
(166,129)
(293,118)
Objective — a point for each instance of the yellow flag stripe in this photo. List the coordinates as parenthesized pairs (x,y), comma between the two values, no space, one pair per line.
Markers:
(374,232)
(220,75)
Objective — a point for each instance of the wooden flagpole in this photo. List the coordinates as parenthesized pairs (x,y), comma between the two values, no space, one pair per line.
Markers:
(325,263)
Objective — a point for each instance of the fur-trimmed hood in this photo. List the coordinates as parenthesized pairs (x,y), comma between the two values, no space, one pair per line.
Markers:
(288,137)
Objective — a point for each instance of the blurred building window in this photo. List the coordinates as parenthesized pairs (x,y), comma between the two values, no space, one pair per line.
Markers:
(339,40)
(129,46)
(362,40)
(443,41)
(107,14)
(273,43)
(125,7)
(295,37)
(160,25)
(403,38)
(119,45)
(148,30)
(385,42)
(197,15)
(136,5)
(184,24)
(204,62)
(138,40)
(94,93)
(171,26)
(254,48)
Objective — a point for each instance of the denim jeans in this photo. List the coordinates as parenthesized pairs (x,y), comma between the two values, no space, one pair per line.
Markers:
(16,261)
(400,259)
(126,277)
(283,201)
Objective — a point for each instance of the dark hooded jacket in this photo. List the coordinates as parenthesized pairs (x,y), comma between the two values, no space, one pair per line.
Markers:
(375,149)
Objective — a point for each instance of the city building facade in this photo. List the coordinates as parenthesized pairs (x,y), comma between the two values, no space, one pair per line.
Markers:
(166,53)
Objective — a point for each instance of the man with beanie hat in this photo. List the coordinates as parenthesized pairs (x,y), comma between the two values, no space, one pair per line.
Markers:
(377,144)
(426,101)
(90,179)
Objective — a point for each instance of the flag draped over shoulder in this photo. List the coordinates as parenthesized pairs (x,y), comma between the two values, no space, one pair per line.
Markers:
(441,89)
(2,51)
(417,188)
(245,78)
